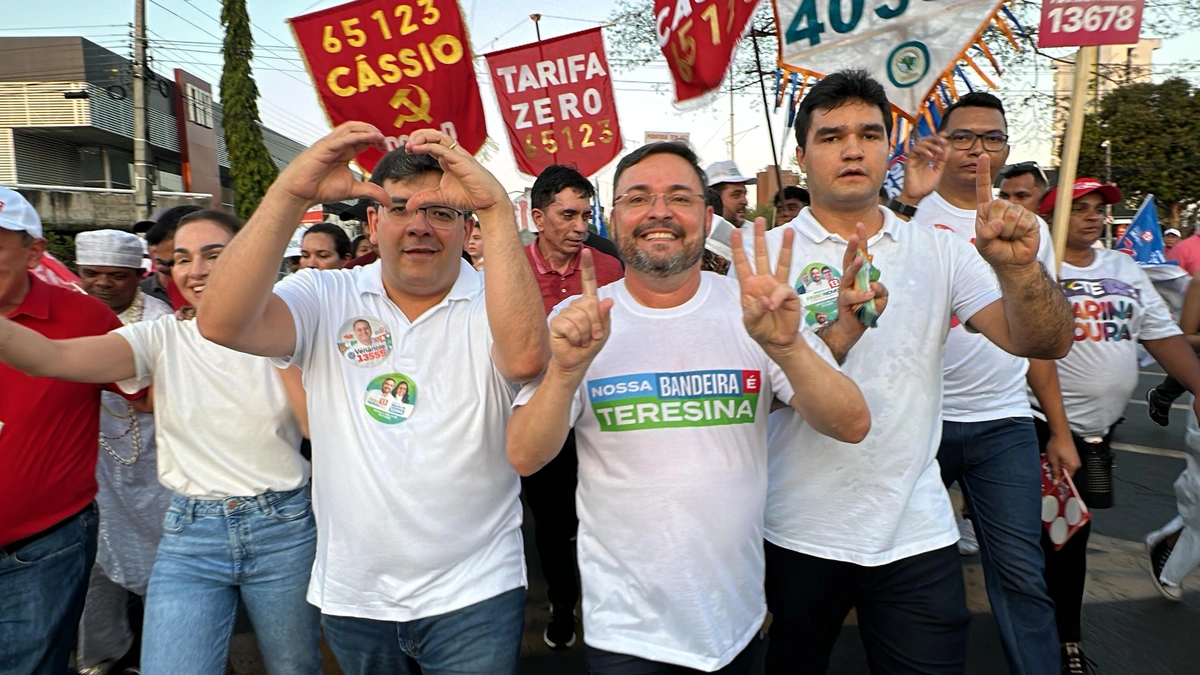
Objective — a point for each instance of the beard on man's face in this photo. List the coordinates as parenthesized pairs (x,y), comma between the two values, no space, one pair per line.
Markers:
(656,265)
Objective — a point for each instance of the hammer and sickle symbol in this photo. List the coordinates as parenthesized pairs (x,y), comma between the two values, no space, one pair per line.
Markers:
(417,110)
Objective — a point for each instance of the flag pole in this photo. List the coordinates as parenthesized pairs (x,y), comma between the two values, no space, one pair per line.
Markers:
(766,109)
(1085,59)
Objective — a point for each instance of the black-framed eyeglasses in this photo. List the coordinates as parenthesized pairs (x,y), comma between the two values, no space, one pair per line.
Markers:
(993,141)
(1022,168)
(440,217)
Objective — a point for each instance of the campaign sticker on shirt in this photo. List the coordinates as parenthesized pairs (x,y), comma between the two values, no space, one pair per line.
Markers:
(391,398)
(364,341)
(817,287)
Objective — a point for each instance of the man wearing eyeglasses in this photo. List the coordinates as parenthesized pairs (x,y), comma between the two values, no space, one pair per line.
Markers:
(1023,183)
(668,377)
(419,555)
(988,441)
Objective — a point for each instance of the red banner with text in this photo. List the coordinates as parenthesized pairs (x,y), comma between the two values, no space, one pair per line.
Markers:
(401,65)
(556,97)
(698,37)
(1076,23)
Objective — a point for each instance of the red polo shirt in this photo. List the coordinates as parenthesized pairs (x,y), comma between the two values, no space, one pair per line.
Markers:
(557,287)
(48,444)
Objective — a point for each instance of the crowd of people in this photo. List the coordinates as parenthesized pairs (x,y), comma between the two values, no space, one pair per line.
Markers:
(710,420)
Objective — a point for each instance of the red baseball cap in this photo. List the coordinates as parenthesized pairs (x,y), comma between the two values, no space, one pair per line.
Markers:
(1083,186)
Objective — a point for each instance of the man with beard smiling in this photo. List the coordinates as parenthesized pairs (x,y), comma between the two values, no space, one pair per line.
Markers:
(419,518)
(671,436)
(728,181)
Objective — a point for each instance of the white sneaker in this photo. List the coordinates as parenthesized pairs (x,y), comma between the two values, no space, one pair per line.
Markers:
(967,543)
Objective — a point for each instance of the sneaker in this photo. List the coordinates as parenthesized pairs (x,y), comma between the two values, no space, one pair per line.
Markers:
(560,633)
(967,543)
(1074,662)
(1160,551)
(1157,410)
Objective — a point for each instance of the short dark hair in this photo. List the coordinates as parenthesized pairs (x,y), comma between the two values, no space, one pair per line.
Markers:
(1022,168)
(713,198)
(168,222)
(660,148)
(227,221)
(357,240)
(399,164)
(792,192)
(27,239)
(975,99)
(341,240)
(836,90)
(553,180)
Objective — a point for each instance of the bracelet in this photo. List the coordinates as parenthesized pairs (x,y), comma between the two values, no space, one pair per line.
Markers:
(902,208)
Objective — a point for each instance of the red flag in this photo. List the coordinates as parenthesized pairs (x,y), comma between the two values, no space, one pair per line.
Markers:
(557,101)
(399,66)
(698,37)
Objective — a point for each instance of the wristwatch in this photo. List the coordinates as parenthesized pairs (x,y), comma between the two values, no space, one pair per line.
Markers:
(902,208)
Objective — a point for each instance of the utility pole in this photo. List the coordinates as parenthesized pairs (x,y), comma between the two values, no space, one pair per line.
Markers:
(1108,232)
(143,193)
(731,118)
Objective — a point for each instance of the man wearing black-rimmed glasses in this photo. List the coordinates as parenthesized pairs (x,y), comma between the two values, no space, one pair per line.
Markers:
(988,441)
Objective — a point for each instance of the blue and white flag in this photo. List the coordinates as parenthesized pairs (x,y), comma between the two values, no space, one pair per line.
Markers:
(1143,237)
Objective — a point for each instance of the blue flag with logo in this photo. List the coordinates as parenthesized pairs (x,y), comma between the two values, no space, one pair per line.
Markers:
(598,214)
(1143,237)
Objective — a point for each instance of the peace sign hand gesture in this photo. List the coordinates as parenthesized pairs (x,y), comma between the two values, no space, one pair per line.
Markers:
(1005,233)
(579,331)
(770,306)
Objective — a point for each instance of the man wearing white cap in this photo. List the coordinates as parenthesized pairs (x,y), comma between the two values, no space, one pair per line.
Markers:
(48,431)
(131,500)
(728,181)
(1170,238)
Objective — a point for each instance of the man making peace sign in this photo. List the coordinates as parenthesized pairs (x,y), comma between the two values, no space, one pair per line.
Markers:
(669,395)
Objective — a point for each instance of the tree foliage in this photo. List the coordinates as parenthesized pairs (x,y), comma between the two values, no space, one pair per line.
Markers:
(1155,134)
(250,164)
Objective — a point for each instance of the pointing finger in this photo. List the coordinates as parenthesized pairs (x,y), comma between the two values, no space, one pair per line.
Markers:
(983,179)
(587,273)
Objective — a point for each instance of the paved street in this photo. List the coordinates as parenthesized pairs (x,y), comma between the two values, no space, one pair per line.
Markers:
(1128,627)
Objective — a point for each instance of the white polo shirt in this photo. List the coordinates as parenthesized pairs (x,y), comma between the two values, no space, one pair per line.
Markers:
(880,500)
(671,423)
(223,423)
(982,381)
(417,507)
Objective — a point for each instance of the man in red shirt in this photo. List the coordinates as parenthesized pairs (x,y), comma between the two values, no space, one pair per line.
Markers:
(48,431)
(561,201)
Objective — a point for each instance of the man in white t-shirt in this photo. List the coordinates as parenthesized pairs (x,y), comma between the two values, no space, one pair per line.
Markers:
(988,441)
(419,551)
(671,435)
(871,527)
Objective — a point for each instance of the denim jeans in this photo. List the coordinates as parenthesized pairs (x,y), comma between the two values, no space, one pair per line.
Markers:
(480,639)
(213,552)
(42,587)
(998,465)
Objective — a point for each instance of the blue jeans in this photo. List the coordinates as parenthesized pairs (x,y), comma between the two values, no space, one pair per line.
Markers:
(998,465)
(480,639)
(215,551)
(42,586)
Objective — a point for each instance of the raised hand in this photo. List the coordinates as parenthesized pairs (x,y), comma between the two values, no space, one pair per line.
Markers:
(579,331)
(1005,233)
(923,168)
(849,298)
(322,173)
(770,306)
(465,183)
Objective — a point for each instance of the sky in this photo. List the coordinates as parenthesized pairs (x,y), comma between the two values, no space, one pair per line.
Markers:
(185,34)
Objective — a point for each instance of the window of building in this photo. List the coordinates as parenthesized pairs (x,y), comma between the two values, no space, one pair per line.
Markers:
(199,106)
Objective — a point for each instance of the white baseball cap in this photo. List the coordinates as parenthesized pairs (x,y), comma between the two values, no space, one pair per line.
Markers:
(726,172)
(17,214)
(1173,231)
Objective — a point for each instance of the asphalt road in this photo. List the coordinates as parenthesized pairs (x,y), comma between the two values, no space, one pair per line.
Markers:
(1128,627)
